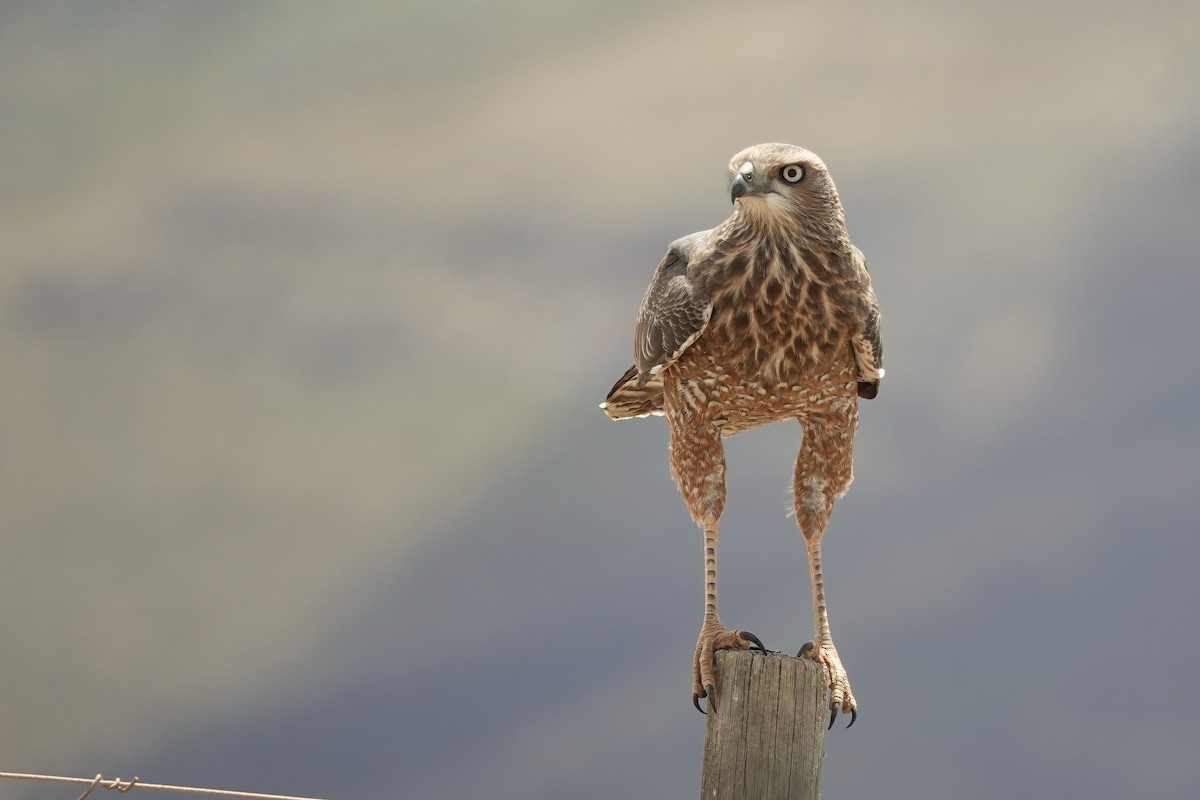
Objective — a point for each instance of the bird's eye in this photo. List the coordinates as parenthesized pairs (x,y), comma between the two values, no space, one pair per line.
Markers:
(792,173)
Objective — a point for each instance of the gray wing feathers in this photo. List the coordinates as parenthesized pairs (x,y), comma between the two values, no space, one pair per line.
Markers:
(674,311)
(868,340)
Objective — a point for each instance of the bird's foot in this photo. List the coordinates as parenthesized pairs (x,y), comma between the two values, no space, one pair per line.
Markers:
(840,696)
(713,637)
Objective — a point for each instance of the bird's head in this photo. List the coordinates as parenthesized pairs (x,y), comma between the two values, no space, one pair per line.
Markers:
(773,180)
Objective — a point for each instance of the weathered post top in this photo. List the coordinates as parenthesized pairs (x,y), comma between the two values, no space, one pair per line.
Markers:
(766,738)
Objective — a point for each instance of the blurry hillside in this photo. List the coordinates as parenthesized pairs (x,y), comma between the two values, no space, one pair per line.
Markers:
(305,314)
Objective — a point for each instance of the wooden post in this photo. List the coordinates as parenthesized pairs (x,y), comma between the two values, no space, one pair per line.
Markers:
(766,739)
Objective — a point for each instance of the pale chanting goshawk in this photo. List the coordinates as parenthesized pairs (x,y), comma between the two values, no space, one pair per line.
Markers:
(768,316)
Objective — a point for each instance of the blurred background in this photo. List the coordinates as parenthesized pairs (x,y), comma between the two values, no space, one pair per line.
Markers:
(305,311)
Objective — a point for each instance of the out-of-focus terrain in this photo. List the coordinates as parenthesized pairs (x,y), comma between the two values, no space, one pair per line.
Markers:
(305,313)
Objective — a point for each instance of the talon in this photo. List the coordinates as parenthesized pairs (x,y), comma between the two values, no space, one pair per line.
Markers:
(804,648)
(750,637)
(712,696)
(696,703)
(840,696)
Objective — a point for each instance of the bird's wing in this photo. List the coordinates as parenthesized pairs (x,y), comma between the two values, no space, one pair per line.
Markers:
(868,339)
(627,399)
(674,311)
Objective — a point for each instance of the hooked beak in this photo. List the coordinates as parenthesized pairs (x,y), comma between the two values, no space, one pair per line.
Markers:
(738,188)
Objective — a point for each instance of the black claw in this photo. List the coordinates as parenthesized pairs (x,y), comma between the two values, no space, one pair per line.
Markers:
(747,636)
(832,717)
(804,648)
(853,717)
(712,696)
(696,703)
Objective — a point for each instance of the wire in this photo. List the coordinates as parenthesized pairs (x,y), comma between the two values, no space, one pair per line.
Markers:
(124,786)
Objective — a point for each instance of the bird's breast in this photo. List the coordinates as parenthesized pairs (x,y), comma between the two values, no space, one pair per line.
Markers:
(778,322)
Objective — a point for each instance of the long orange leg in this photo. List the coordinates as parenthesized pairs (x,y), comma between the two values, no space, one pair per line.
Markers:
(823,472)
(698,464)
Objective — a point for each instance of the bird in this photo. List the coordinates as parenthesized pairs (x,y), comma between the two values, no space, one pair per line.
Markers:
(769,316)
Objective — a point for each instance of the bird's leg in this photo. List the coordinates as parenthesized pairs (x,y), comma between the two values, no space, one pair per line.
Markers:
(822,648)
(713,635)
(698,464)
(823,472)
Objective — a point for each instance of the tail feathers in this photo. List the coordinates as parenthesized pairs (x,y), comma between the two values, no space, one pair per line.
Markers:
(627,400)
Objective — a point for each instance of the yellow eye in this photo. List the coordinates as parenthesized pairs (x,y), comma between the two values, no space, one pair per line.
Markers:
(792,173)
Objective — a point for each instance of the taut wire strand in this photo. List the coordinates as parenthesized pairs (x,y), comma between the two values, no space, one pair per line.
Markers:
(101,782)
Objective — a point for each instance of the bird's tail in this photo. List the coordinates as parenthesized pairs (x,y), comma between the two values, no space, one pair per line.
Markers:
(627,400)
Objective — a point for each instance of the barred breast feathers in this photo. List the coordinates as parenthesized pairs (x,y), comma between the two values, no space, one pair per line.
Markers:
(771,294)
